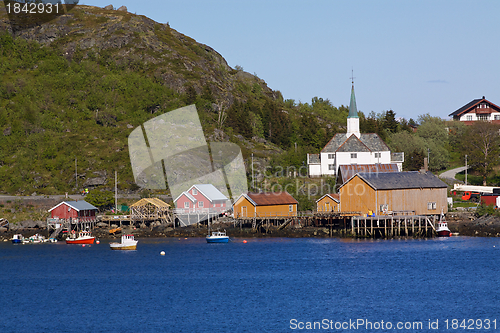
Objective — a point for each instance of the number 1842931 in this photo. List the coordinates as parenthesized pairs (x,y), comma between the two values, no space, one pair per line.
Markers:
(471,324)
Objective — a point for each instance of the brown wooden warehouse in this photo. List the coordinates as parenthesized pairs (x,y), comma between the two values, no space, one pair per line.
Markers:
(412,192)
(276,204)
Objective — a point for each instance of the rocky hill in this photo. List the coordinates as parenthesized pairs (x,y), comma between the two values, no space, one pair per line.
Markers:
(73,88)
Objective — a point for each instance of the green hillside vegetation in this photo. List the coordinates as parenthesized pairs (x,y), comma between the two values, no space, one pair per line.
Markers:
(78,87)
(66,100)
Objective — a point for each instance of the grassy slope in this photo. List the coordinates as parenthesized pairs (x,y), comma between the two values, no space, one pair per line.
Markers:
(80,94)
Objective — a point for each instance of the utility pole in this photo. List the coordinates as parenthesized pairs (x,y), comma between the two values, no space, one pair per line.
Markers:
(116,193)
(465,169)
(253,181)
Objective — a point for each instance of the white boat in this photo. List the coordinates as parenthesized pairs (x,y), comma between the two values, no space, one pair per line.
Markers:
(35,239)
(218,237)
(128,243)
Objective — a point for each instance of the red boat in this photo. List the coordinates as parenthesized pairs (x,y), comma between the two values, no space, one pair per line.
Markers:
(442,228)
(84,237)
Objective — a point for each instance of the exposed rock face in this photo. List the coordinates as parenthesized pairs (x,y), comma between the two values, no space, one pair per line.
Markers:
(97,181)
(177,60)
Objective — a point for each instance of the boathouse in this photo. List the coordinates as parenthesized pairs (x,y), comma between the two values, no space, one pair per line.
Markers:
(201,198)
(328,203)
(276,204)
(76,210)
(387,193)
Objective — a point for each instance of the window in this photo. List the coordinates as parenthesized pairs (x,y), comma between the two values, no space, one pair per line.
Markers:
(469,117)
(483,116)
(186,204)
(431,205)
(497,117)
(200,203)
(384,208)
(377,155)
(331,156)
(195,192)
(290,208)
(354,155)
(331,166)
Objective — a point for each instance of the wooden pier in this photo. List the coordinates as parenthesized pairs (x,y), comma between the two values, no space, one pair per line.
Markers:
(348,223)
(393,226)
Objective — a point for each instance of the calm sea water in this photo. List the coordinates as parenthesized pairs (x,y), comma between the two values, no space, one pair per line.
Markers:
(265,285)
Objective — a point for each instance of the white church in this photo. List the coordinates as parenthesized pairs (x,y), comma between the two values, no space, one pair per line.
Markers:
(352,148)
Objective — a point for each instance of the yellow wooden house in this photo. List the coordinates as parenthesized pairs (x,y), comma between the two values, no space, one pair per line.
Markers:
(330,202)
(277,204)
(384,193)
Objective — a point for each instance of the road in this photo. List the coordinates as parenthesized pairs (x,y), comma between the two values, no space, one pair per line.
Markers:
(4,198)
(450,174)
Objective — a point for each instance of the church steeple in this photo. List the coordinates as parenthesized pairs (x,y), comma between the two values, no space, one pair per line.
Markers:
(353,118)
(353,110)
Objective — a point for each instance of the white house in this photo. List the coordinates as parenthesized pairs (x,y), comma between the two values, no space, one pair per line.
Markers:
(478,109)
(351,148)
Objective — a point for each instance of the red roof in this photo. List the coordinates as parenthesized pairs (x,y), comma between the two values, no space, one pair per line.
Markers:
(269,199)
(347,171)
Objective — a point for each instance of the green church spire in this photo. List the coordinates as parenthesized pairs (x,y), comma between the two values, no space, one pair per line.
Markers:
(353,110)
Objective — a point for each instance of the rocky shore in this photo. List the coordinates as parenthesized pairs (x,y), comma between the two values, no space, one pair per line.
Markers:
(465,224)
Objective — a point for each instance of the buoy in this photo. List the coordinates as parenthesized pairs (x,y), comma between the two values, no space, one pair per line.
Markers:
(185,238)
(244,241)
(162,253)
(83,245)
(97,242)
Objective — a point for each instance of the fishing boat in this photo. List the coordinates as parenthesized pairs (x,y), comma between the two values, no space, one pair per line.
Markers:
(84,237)
(17,238)
(442,227)
(128,243)
(218,237)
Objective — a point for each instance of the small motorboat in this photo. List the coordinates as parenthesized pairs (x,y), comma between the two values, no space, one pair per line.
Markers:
(442,227)
(17,238)
(218,237)
(128,243)
(84,237)
(35,239)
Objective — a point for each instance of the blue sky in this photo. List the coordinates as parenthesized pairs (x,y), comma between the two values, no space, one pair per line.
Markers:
(413,57)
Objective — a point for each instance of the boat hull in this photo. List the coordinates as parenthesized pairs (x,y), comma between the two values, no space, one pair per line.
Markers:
(444,233)
(81,241)
(16,241)
(211,239)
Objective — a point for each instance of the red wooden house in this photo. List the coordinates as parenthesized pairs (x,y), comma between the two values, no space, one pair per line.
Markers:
(201,198)
(75,210)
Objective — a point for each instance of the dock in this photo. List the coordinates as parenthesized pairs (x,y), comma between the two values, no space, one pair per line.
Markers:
(348,223)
